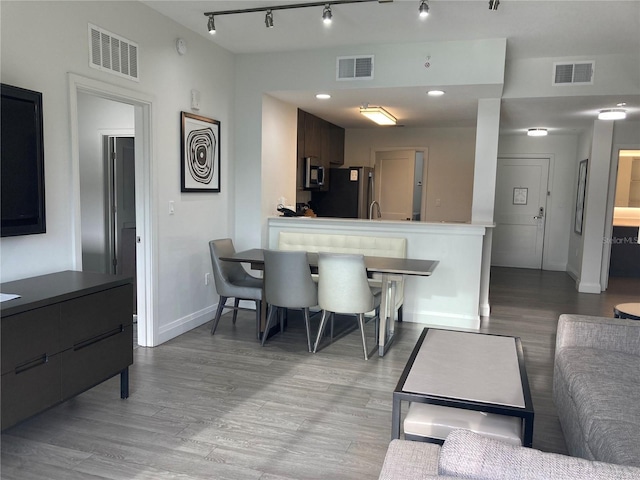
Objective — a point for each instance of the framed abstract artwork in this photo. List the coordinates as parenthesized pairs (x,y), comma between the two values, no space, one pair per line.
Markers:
(200,156)
(582,187)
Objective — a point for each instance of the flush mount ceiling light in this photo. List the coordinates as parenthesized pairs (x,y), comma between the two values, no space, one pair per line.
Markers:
(612,114)
(537,132)
(326,14)
(322,96)
(378,115)
(423,9)
(435,93)
(268,19)
(211,25)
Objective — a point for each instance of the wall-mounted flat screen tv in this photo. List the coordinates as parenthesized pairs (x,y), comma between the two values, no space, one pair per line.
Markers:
(21,163)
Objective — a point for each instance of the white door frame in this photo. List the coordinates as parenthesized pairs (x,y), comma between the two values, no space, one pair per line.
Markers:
(146,261)
(549,203)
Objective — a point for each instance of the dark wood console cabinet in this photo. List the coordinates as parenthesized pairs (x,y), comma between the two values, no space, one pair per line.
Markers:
(68,332)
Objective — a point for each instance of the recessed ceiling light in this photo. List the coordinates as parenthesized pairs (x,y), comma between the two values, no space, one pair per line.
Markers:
(322,96)
(612,114)
(435,93)
(537,132)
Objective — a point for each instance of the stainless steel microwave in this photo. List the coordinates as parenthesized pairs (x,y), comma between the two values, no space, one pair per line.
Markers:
(314,173)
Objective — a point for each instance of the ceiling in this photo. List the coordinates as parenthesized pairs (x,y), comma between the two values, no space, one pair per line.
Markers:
(533,28)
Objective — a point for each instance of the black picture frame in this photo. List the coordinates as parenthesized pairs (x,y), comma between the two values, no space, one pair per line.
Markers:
(200,153)
(22,162)
(580,196)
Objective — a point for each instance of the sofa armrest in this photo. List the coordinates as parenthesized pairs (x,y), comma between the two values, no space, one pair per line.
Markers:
(615,334)
(406,460)
(468,455)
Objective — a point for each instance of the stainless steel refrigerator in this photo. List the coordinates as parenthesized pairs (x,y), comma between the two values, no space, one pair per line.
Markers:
(349,196)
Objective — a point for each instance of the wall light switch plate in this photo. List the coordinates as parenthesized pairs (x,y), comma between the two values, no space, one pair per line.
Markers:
(195,100)
(172,207)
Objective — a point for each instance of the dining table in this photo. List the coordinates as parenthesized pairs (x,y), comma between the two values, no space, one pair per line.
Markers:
(390,271)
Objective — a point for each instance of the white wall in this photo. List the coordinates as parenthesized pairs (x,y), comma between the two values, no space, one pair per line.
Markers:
(31,59)
(478,63)
(449,163)
(562,152)
(279,151)
(98,117)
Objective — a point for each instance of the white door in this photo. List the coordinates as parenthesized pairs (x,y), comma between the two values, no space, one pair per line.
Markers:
(394,183)
(520,207)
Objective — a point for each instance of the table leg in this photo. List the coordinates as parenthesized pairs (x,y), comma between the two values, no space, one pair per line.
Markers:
(395,418)
(527,437)
(387,313)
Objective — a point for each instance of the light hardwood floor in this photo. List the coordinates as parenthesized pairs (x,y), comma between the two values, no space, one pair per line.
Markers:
(223,407)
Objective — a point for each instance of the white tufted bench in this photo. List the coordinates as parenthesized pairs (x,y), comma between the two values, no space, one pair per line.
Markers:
(395,247)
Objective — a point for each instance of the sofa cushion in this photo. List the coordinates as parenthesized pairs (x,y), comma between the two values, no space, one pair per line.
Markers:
(469,455)
(601,384)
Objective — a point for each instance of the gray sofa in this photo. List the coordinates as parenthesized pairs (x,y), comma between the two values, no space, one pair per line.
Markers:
(468,455)
(596,387)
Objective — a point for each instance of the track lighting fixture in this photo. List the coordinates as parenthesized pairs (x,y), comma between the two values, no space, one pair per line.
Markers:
(326,14)
(493,4)
(423,9)
(268,19)
(211,25)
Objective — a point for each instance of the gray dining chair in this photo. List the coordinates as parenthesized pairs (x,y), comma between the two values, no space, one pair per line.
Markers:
(288,285)
(232,280)
(343,288)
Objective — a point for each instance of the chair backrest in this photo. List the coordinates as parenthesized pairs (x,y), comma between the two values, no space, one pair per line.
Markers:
(225,273)
(343,286)
(287,280)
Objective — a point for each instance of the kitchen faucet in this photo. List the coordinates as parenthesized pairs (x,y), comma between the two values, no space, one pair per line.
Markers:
(375,202)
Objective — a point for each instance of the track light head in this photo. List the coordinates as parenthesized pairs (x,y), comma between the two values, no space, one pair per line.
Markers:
(268,19)
(493,4)
(211,25)
(327,15)
(423,9)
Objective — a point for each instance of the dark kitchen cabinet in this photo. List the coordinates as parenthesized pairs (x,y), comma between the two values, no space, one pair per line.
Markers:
(321,139)
(68,332)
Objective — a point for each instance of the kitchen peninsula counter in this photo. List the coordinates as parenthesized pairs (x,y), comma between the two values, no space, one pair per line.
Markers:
(453,296)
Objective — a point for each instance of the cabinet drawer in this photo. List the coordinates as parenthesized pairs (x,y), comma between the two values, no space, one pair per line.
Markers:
(29,335)
(93,315)
(85,367)
(30,391)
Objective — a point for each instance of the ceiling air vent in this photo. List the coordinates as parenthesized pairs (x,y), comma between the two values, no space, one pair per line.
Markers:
(579,73)
(111,53)
(355,68)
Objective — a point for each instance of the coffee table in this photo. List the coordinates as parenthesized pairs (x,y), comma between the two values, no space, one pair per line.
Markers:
(627,310)
(467,370)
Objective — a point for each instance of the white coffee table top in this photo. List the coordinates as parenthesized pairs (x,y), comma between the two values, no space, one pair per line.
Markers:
(467,366)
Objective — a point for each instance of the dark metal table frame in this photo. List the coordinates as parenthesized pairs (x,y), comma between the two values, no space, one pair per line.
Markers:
(526,413)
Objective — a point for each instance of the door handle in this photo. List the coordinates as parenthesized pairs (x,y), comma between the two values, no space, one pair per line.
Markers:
(540,214)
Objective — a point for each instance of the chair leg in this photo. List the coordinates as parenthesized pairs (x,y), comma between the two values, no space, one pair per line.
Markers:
(283,315)
(258,310)
(272,312)
(235,309)
(364,340)
(323,323)
(400,313)
(221,302)
(306,324)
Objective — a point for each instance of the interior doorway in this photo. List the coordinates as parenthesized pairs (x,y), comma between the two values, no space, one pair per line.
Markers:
(145,260)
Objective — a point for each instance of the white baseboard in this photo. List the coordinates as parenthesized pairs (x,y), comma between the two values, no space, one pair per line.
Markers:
(584,287)
(186,323)
(446,320)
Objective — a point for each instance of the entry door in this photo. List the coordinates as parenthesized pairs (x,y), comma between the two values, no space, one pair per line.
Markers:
(122,201)
(394,184)
(520,208)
